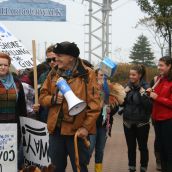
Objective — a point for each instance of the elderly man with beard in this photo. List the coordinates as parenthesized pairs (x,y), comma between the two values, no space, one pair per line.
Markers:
(61,126)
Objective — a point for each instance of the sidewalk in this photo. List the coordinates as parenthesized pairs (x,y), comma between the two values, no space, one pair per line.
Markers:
(115,157)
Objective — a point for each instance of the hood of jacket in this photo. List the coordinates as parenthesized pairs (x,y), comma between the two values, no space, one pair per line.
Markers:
(25,78)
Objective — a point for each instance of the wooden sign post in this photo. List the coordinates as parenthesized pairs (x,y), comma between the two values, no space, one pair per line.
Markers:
(35,71)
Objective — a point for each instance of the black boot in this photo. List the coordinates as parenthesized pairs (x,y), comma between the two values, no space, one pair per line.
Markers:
(143,169)
(132,169)
(158,161)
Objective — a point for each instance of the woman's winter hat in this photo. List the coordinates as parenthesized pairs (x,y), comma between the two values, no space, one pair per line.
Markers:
(67,48)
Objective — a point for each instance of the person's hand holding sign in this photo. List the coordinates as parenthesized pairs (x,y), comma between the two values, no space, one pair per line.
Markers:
(36,107)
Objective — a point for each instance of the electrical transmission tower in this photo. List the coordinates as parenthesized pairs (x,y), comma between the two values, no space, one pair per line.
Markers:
(98,33)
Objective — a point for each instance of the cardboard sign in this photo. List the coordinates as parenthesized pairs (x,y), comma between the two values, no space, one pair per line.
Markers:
(9,44)
(8,147)
(35,140)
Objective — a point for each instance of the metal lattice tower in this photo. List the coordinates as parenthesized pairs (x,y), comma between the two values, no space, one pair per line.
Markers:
(98,33)
(97,43)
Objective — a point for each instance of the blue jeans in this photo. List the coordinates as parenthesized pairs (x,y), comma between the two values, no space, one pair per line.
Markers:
(98,142)
(61,146)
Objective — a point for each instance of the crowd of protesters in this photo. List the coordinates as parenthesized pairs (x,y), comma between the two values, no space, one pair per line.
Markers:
(138,101)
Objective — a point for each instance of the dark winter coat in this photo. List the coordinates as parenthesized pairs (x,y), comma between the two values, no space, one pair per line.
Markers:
(137,106)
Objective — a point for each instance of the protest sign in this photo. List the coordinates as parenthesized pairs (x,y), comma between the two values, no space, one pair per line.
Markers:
(32,10)
(8,147)
(9,44)
(35,142)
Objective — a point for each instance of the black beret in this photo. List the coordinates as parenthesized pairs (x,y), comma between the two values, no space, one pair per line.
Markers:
(67,48)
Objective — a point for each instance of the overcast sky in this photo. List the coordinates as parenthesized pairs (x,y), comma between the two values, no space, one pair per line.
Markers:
(125,16)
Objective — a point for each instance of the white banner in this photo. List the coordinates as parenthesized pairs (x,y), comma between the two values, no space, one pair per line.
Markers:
(9,44)
(8,147)
(35,140)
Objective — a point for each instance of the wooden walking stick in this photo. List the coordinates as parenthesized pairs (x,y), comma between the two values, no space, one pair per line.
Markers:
(86,143)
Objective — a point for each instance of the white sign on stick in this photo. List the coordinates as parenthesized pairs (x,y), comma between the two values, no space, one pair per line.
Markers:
(8,147)
(35,140)
(9,44)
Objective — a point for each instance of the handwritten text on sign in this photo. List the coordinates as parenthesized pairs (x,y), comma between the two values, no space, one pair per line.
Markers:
(35,142)
(8,147)
(9,44)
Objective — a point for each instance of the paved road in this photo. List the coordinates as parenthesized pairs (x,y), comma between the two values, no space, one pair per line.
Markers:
(115,158)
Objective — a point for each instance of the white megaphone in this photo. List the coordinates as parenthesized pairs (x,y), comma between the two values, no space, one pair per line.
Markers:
(74,103)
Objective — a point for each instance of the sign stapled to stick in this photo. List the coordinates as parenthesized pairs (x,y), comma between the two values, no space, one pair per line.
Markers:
(8,147)
(9,44)
(35,142)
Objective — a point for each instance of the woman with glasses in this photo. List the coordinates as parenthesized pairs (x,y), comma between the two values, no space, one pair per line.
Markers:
(50,63)
(50,57)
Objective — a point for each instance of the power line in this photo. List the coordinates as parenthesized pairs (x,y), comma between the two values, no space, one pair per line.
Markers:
(123,4)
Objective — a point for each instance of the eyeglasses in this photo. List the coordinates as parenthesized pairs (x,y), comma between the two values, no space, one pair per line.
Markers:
(48,60)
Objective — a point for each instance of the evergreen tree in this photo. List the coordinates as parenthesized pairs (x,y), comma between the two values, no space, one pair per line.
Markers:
(141,52)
